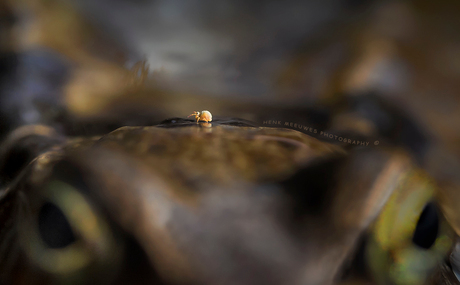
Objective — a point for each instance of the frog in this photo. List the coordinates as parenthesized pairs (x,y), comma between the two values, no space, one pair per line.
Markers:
(227,202)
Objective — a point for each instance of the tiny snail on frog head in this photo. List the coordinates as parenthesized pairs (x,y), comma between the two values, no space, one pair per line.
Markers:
(202,116)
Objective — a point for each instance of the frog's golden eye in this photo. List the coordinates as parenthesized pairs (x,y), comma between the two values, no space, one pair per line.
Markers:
(410,238)
(64,236)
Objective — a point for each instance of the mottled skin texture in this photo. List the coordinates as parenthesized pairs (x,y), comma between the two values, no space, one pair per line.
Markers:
(220,154)
(189,160)
(198,203)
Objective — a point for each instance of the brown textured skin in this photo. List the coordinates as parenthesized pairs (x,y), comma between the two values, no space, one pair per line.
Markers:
(205,205)
(220,154)
(219,203)
(189,161)
(208,208)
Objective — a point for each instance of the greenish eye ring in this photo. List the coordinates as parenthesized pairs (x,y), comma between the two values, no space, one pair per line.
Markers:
(64,235)
(410,238)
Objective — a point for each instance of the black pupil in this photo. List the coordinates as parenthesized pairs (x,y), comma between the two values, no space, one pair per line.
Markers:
(427,227)
(54,228)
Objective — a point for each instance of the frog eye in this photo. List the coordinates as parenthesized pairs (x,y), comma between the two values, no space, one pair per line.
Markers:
(410,238)
(65,236)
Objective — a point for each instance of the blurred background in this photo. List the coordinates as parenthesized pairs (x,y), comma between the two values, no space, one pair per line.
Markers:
(73,61)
